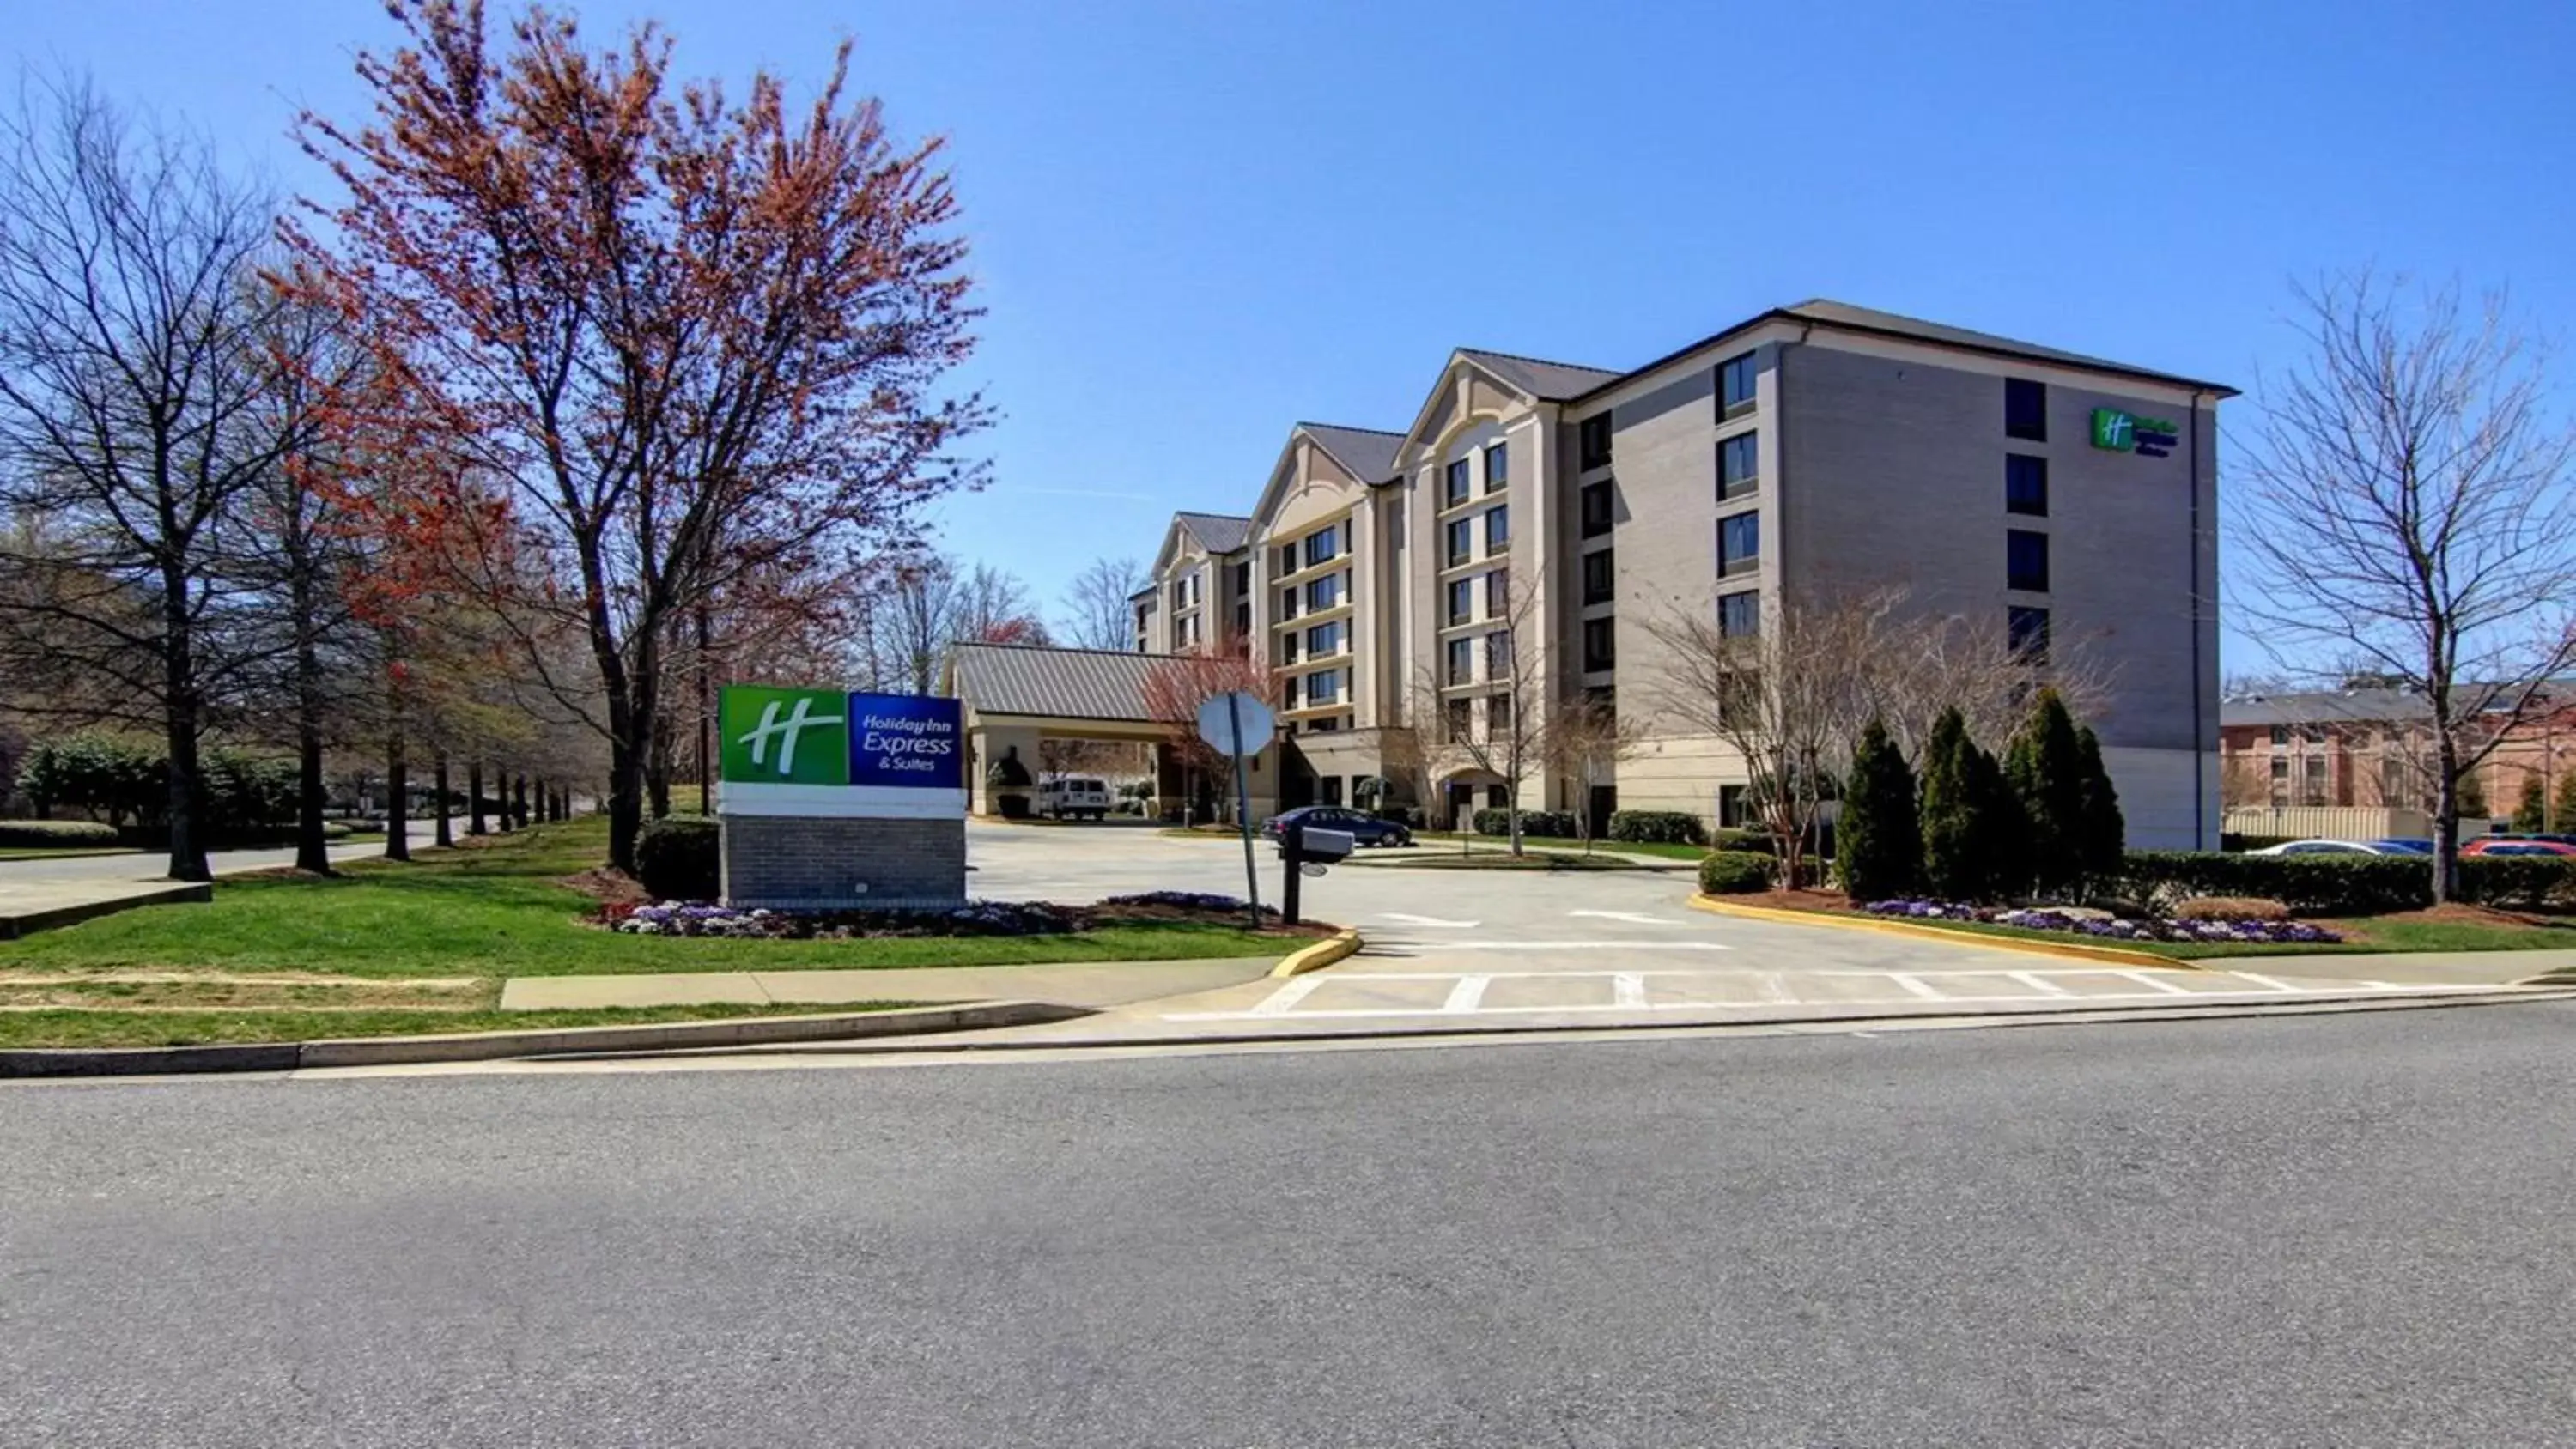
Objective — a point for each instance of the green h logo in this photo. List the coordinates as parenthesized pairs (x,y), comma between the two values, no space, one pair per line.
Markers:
(785,736)
(2115,430)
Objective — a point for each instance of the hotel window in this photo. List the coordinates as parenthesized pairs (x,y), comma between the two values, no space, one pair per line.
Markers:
(2027,629)
(1593,441)
(1600,577)
(1462,540)
(1599,510)
(1498,530)
(1462,660)
(1739,465)
(1739,544)
(1324,640)
(1287,559)
(2312,789)
(1739,615)
(1324,686)
(1498,717)
(1498,466)
(1498,654)
(2025,485)
(1462,600)
(2026,561)
(1600,644)
(1498,593)
(1734,807)
(2025,409)
(1323,593)
(1735,386)
(2280,780)
(1288,693)
(1454,491)
(1320,545)
(1243,578)
(1455,714)
(1288,602)
(1328,790)
(2280,734)
(1283,650)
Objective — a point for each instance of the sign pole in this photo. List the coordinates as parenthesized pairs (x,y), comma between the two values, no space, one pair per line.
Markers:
(1243,808)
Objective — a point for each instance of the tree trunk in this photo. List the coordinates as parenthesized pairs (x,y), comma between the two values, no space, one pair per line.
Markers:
(631,710)
(397,793)
(519,802)
(2446,821)
(179,714)
(474,822)
(658,773)
(312,852)
(438,779)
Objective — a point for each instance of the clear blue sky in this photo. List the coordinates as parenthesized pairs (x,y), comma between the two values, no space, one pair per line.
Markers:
(1196,223)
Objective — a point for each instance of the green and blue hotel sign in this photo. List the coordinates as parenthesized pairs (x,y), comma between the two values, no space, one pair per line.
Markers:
(832,800)
(2125,432)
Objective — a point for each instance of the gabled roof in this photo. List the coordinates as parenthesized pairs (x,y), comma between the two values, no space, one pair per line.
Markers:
(1843,316)
(2338,706)
(1216,532)
(1037,679)
(1546,381)
(1368,454)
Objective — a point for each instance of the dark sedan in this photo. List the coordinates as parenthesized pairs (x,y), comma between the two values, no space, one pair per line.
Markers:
(1366,829)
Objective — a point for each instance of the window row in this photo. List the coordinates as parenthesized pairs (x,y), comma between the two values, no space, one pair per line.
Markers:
(1459,661)
(1316,595)
(1462,534)
(1312,691)
(1322,546)
(1496,588)
(1458,719)
(1457,481)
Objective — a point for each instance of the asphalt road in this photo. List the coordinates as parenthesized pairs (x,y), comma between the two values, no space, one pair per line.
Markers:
(2339,1230)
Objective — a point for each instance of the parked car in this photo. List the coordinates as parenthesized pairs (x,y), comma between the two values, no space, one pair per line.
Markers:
(2510,845)
(1074,797)
(2322,847)
(2403,847)
(1365,829)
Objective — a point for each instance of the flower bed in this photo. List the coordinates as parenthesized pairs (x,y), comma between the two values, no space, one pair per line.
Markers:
(975,918)
(2107,928)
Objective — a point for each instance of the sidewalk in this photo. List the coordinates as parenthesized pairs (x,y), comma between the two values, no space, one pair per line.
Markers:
(1089,984)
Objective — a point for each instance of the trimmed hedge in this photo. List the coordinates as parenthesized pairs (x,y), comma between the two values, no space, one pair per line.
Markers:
(1757,842)
(1556,823)
(54,834)
(1657,827)
(2344,885)
(678,860)
(1735,872)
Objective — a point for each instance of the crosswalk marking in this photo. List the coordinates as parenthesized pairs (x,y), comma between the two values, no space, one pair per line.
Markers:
(1627,988)
(1466,994)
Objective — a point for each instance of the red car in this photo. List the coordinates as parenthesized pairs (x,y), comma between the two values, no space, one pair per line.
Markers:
(2508,846)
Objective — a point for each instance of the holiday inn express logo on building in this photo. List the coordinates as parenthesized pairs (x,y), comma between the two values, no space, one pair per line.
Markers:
(2122,432)
(786,736)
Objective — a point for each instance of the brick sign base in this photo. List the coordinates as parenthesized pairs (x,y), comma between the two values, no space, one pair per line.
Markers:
(821,863)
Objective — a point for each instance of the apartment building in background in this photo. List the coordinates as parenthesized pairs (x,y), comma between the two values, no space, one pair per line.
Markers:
(2372,748)
(2065,501)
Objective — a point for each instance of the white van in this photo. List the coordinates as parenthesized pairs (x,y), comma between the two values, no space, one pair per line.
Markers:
(1074,797)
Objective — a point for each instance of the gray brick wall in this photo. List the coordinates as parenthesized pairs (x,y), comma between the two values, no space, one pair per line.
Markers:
(813,864)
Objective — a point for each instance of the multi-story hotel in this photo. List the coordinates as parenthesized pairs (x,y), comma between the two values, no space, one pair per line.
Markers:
(1814,446)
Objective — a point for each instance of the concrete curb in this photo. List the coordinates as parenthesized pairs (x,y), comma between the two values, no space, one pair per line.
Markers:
(553,1041)
(1318,956)
(2071,950)
(49,917)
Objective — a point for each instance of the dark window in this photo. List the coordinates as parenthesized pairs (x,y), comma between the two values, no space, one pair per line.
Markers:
(1456,712)
(1324,686)
(1600,577)
(2025,409)
(1454,492)
(2026,561)
(1329,789)
(1462,599)
(1288,602)
(1461,539)
(2026,485)
(1242,579)
(1735,385)
(1598,509)
(1325,592)
(1593,444)
(1734,806)
(1498,593)
(1600,644)
(1498,654)
(1739,615)
(1498,529)
(1288,693)
(1324,639)
(1283,649)
(1324,726)
(2280,734)
(1462,660)
(1322,544)
(1739,543)
(1498,466)
(1498,717)
(2028,630)
(1287,559)
(1739,465)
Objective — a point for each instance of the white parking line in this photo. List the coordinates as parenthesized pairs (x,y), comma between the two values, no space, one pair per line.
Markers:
(1279,1002)
(1627,989)
(1585,946)
(1911,983)
(1464,996)
(1434,922)
(2039,983)
(2158,982)
(1638,918)
(2263,980)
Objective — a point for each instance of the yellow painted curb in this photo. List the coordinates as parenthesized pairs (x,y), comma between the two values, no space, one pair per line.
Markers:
(1318,956)
(2070,950)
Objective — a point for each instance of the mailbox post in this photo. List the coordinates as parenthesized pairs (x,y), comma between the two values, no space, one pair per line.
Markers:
(1301,846)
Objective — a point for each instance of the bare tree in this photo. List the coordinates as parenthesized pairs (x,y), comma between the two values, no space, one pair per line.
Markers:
(2409,511)
(130,370)
(1585,740)
(994,607)
(1922,664)
(1497,716)
(1097,611)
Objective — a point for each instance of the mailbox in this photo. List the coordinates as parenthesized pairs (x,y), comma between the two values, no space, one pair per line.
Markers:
(1323,847)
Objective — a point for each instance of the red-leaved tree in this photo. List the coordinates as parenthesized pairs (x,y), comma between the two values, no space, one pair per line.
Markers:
(690,340)
(1173,690)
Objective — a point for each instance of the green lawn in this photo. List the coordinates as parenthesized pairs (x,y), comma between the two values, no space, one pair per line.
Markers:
(76,1028)
(497,910)
(2361,935)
